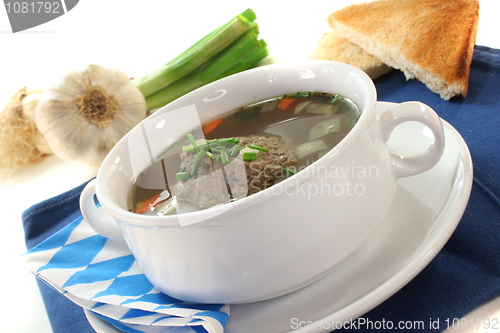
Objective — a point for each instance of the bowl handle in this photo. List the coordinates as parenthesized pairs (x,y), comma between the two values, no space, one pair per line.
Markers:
(409,165)
(97,217)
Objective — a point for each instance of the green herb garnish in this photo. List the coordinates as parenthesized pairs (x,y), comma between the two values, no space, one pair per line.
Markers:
(193,142)
(300,95)
(183,175)
(168,148)
(188,149)
(228,142)
(249,156)
(224,157)
(199,156)
(289,171)
(215,150)
(234,151)
(259,148)
(336,98)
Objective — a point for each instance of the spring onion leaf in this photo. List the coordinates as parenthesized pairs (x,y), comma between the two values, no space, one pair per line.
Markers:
(224,157)
(300,95)
(259,148)
(183,175)
(223,142)
(198,54)
(249,156)
(193,142)
(168,148)
(250,61)
(192,80)
(289,171)
(234,151)
(229,49)
(236,52)
(189,149)
(196,164)
(215,150)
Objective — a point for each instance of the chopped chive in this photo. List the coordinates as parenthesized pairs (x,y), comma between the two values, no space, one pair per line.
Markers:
(203,146)
(193,142)
(168,148)
(183,175)
(189,149)
(218,159)
(210,155)
(195,168)
(200,155)
(300,95)
(183,169)
(215,150)
(259,148)
(226,141)
(289,171)
(225,144)
(336,98)
(235,150)
(224,157)
(249,156)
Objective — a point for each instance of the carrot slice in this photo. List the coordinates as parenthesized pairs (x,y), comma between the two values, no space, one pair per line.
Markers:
(145,205)
(213,125)
(286,103)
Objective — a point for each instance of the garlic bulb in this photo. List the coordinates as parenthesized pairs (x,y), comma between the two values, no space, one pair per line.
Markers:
(29,103)
(21,144)
(88,112)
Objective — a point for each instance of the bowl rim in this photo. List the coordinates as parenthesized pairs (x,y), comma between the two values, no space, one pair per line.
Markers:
(172,221)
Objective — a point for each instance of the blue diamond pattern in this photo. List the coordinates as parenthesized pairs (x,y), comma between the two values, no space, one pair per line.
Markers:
(133,285)
(58,239)
(101,271)
(81,252)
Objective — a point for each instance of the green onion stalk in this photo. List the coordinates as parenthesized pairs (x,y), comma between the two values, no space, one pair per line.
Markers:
(229,49)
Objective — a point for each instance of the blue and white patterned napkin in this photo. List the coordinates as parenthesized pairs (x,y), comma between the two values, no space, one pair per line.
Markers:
(102,276)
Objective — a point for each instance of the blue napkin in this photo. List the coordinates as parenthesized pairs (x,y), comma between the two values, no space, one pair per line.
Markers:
(102,276)
(464,275)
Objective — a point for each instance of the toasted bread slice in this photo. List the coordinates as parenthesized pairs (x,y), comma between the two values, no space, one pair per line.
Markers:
(332,46)
(431,40)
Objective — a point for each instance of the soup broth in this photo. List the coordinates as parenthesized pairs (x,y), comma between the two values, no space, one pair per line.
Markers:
(243,152)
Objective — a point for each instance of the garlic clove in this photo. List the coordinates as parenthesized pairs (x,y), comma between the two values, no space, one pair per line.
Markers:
(41,144)
(29,104)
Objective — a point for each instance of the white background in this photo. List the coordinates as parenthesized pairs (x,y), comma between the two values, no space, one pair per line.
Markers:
(135,37)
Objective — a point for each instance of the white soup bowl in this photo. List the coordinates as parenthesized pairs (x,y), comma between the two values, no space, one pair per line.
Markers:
(284,237)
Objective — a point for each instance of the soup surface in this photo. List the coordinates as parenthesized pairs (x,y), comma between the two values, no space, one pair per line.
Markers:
(243,152)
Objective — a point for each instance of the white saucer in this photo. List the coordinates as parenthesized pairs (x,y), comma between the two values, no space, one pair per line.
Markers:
(425,212)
